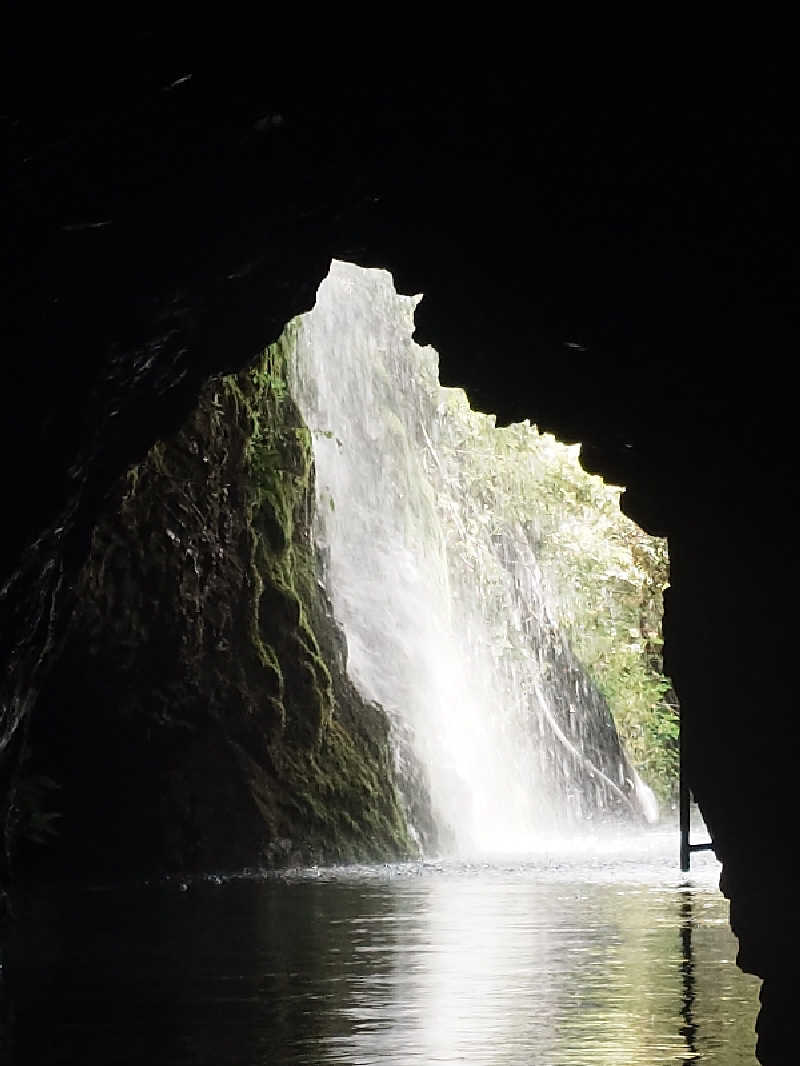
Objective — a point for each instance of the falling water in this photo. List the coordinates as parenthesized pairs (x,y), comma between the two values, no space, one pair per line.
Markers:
(433,574)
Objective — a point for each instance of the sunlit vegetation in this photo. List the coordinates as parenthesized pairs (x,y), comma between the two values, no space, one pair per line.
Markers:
(609,576)
(604,575)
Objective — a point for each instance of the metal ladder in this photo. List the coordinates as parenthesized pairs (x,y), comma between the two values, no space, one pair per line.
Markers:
(684,812)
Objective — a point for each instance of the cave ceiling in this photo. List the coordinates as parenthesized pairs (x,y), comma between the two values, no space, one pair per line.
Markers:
(607,251)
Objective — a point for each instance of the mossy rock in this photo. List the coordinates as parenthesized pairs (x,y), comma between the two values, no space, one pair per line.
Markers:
(254,747)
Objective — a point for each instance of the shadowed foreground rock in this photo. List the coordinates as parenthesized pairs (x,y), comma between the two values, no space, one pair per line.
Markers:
(194,669)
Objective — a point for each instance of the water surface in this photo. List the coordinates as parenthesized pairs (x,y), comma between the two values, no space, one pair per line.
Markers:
(601,953)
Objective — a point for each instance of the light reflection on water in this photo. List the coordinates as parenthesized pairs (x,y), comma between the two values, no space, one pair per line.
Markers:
(581,957)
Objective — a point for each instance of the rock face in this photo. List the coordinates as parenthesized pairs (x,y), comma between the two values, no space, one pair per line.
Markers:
(610,252)
(200,714)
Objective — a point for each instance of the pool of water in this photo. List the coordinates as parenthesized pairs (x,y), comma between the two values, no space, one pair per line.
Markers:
(600,952)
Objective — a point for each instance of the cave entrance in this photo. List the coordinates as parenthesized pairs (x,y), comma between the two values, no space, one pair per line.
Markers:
(226,722)
(496,602)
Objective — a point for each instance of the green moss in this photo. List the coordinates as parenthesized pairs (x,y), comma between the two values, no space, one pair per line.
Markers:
(328,782)
(205,659)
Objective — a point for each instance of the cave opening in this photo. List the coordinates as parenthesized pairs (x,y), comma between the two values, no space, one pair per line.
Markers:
(215,611)
(471,582)
(496,602)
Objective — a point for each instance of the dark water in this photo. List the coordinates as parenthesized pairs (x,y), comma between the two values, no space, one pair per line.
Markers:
(603,954)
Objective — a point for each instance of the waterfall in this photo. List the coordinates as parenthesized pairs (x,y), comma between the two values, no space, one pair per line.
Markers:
(430,562)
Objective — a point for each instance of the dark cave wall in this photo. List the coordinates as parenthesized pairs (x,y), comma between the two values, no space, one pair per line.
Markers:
(199,715)
(731,645)
(653,224)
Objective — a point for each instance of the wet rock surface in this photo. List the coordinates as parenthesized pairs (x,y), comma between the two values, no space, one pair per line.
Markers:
(193,720)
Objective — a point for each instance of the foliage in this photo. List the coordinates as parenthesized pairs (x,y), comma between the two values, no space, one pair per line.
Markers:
(608,577)
(604,575)
(512,502)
